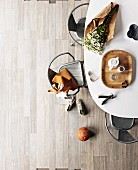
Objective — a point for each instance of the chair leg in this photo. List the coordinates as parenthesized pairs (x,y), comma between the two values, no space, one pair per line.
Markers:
(72,44)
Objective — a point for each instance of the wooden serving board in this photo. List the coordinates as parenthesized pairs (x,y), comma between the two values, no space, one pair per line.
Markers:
(125,77)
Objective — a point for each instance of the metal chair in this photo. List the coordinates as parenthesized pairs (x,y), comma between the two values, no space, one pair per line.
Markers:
(118,128)
(75,68)
(76,28)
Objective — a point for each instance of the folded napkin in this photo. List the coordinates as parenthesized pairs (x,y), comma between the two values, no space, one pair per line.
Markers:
(99,19)
(63,82)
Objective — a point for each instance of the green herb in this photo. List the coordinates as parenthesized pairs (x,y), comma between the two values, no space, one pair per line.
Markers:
(96,39)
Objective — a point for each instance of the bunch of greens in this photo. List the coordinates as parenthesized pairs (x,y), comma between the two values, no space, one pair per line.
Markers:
(96,39)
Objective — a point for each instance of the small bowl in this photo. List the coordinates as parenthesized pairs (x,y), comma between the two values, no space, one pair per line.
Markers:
(121,69)
(114,77)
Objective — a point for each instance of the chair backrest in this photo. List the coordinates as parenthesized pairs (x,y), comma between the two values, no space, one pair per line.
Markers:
(76,70)
(72,24)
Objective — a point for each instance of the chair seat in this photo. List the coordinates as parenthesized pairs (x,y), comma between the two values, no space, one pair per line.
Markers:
(122,123)
(76,23)
(80,28)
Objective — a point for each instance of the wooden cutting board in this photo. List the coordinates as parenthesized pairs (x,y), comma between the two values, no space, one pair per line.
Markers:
(124,78)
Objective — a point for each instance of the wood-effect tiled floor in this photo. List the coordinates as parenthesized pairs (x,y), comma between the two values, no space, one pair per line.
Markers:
(35,129)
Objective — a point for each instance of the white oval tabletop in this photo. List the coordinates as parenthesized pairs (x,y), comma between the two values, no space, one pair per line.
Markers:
(126,102)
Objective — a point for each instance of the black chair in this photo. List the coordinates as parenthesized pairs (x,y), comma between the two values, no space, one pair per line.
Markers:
(76,28)
(119,127)
(75,68)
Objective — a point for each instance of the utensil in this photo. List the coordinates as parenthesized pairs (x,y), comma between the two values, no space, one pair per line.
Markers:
(107,98)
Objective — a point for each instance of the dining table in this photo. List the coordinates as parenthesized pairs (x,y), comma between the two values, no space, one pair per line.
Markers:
(125,103)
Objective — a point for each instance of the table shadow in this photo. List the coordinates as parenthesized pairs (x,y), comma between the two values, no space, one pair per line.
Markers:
(133,68)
